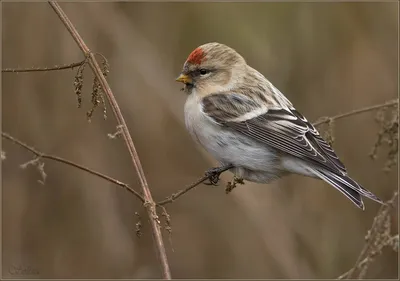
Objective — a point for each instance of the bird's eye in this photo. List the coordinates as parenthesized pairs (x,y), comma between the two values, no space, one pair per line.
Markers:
(203,71)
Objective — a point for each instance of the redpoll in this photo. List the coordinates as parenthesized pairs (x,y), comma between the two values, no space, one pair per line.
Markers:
(247,124)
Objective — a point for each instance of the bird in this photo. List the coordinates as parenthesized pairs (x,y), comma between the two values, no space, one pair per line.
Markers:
(251,128)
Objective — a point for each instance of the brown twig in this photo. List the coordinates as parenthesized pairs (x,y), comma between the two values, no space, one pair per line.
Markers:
(174,196)
(374,243)
(149,204)
(323,120)
(40,154)
(179,193)
(40,69)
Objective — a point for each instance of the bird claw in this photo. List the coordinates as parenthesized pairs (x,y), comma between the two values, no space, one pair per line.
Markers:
(213,175)
(213,180)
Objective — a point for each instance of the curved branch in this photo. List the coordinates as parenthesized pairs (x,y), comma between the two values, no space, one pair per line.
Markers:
(149,204)
(323,120)
(70,163)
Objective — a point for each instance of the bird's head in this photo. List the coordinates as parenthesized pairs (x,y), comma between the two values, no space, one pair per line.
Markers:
(211,67)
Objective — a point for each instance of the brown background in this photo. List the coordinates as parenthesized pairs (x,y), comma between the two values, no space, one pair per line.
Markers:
(326,57)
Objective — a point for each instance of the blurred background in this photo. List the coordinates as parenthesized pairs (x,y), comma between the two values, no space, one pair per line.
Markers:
(327,58)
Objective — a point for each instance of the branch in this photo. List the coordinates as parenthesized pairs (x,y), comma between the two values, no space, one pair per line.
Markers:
(323,120)
(150,204)
(179,193)
(39,69)
(70,163)
(377,238)
(174,196)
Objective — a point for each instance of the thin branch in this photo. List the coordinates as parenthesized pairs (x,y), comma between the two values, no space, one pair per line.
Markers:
(174,196)
(150,204)
(323,120)
(40,69)
(346,274)
(374,233)
(70,163)
(179,193)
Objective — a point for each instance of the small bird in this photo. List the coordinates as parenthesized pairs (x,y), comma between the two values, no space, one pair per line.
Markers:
(251,128)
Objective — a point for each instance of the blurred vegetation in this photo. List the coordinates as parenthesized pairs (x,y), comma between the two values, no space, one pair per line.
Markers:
(327,58)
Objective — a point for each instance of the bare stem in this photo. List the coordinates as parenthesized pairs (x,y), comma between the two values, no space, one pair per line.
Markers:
(73,164)
(323,120)
(40,69)
(174,196)
(374,234)
(149,204)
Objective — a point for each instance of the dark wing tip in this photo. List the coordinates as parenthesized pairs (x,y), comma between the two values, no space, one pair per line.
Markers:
(373,197)
(348,187)
(361,205)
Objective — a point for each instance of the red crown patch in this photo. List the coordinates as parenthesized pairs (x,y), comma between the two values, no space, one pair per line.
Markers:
(196,56)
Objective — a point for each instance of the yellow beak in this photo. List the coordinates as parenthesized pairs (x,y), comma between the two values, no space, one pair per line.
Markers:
(184,79)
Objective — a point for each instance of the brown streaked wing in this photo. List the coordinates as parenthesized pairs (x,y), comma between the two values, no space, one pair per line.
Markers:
(284,129)
(223,107)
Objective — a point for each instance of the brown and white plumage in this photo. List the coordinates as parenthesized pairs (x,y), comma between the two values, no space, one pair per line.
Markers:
(237,115)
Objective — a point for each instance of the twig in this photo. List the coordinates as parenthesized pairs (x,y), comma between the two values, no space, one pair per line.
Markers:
(174,196)
(149,204)
(39,69)
(70,163)
(179,193)
(346,274)
(368,252)
(323,120)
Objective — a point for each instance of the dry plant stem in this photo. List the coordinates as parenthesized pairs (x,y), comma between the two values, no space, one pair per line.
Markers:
(376,227)
(174,196)
(149,204)
(40,69)
(323,120)
(70,163)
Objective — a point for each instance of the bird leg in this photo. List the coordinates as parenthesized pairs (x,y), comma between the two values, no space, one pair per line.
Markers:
(214,173)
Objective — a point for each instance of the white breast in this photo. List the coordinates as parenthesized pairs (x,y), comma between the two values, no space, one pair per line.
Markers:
(197,123)
(227,146)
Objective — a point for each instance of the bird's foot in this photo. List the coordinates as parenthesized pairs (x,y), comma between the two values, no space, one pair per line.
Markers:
(231,185)
(214,173)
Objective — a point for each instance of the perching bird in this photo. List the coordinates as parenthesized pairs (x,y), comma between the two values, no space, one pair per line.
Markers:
(239,117)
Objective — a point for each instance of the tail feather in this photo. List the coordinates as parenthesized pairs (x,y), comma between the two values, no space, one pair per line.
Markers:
(351,189)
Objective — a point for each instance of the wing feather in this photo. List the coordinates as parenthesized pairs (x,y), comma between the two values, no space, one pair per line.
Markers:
(284,129)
